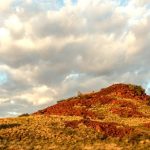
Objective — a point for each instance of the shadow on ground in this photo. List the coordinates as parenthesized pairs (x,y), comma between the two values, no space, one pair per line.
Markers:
(5,126)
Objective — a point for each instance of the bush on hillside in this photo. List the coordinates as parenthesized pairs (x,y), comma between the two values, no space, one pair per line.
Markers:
(24,115)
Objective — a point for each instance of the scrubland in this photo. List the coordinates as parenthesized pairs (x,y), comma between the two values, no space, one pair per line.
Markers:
(115,118)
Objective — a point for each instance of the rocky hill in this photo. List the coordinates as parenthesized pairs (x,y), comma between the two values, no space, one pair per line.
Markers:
(116,117)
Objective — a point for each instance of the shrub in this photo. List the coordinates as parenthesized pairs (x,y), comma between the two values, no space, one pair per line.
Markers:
(24,115)
(138,89)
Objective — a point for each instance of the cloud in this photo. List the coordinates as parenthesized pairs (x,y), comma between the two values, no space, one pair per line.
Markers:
(49,51)
(5,4)
(14,25)
(39,95)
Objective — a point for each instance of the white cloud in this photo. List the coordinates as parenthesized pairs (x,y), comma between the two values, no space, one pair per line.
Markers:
(39,95)
(48,54)
(4,33)
(14,24)
(29,1)
(4,4)
(141,2)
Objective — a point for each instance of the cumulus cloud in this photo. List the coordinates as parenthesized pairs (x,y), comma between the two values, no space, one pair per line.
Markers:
(5,4)
(39,95)
(52,49)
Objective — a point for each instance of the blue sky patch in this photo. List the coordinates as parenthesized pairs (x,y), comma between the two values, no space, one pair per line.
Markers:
(123,2)
(3,78)
(58,4)
(42,5)
(148,88)
(74,2)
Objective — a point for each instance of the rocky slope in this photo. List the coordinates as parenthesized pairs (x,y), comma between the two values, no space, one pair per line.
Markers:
(117,117)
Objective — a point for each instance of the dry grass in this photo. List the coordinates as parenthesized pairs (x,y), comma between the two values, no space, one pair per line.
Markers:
(85,122)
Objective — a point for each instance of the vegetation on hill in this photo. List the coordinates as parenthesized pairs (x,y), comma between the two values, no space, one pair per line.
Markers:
(114,118)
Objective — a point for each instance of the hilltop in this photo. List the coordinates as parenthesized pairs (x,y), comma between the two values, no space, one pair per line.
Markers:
(121,99)
(116,117)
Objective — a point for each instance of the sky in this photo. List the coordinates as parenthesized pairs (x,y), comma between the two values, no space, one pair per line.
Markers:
(51,49)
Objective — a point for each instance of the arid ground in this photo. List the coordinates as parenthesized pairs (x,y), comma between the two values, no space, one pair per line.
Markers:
(114,118)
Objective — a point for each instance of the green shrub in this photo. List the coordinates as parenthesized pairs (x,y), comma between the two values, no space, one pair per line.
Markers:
(138,89)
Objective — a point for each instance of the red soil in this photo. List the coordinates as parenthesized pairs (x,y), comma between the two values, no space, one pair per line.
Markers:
(127,112)
(107,128)
(75,107)
(124,103)
(126,91)
(79,106)
(147,125)
(67,109)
